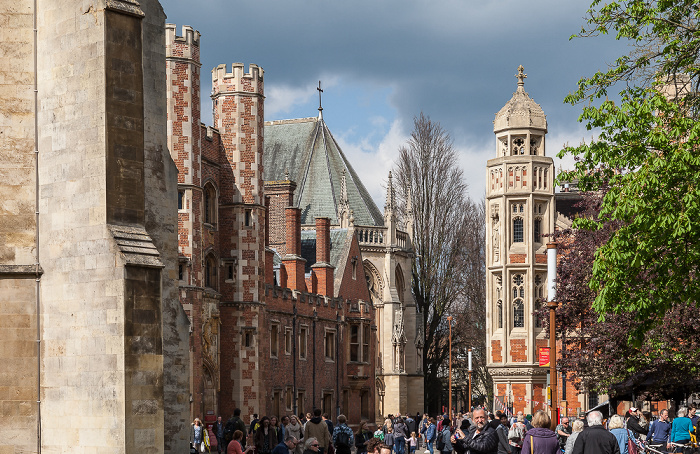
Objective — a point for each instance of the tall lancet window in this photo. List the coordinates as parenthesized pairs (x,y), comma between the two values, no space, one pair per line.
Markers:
(518,304)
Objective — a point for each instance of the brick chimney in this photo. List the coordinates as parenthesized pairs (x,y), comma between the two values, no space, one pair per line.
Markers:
(293,262)
(322,268)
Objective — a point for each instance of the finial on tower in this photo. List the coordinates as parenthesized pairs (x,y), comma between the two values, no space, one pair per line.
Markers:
(390,198)
(521,76)
(320,107)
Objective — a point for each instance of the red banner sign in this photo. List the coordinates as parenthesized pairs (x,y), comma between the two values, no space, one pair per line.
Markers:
(544,356)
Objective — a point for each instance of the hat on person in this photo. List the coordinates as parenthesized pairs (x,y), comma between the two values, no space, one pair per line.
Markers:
(633,409)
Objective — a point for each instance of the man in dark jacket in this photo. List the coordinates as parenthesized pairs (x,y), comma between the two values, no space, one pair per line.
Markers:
(481,438)
(596,439)
(633,423)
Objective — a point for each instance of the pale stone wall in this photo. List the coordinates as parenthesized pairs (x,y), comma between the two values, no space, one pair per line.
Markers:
(160,175)
(18,355)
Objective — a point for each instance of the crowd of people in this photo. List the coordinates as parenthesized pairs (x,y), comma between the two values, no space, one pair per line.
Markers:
(478,432)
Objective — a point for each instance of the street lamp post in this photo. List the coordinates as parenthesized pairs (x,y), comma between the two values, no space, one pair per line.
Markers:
(469,408)
(552,304)
(449,400)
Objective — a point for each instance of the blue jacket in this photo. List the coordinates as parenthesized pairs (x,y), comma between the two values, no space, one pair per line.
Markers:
(659,431)
(430,433)
(680,429)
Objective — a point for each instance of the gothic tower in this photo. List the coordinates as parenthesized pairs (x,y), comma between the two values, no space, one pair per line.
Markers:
(520,212)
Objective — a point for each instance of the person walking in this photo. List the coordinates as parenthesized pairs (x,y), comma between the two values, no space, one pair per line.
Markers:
(445,437)
(296,430)
(362,436)
(218,429)
(318,429)
(265,437)
(540,439)
(430,434)
(343,438)
(681,428)
(659,431)
(576,428)
(502,432)
(400,432)
(197,435)
(563,431)
(517,432)
(595,439)
(616,426)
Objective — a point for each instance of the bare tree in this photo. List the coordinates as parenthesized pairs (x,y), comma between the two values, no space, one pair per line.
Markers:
(446,232)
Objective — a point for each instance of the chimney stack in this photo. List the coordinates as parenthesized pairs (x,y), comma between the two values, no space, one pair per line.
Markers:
(322,268)
(293,262)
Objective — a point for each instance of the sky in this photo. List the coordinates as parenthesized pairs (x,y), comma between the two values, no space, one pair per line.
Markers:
(383,62)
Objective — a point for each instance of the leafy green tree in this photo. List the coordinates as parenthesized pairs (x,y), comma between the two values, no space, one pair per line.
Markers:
(596,354)
(647,155)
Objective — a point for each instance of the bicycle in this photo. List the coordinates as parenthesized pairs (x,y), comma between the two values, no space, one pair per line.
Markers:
(684,448)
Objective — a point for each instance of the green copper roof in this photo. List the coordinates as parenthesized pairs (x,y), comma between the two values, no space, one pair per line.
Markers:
(306,149)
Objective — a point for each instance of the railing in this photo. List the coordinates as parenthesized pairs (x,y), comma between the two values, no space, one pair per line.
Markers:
(371,236)
(378,236)
(401,239)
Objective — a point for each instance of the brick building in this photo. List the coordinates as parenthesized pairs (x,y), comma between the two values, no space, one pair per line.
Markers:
(283,320)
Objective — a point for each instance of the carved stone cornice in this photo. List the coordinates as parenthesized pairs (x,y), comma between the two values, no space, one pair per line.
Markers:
(529,371)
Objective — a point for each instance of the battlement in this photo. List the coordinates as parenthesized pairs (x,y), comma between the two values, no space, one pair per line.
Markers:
(189,36)
(237,79)
(182,46)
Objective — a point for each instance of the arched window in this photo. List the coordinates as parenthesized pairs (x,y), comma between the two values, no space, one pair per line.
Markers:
(209,204)
(518,230)
(518,285)
(518,314)
(210,275)
(400,285)
(538,230)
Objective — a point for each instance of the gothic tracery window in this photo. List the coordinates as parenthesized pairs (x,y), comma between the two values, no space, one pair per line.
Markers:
(518,305)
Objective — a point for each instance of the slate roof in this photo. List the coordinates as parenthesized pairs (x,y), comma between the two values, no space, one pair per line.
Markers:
(306,149)
(308,247)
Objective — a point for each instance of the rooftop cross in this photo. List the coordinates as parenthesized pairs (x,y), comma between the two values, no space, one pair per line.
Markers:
(320,90)
(521,77)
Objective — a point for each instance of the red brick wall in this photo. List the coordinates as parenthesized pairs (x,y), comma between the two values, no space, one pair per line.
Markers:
(518,350)
(517,258)
(518,390)
(281,195)
(541,258)
(496,351)
(539,397)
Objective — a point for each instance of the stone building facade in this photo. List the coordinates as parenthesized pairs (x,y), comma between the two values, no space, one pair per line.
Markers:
(520,211)
(88,246)
(522,208)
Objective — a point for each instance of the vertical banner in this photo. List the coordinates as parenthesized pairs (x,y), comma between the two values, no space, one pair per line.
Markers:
(544,356)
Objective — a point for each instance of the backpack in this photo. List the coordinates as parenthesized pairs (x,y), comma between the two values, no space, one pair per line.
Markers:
(514,433)
(441,441)
(229,428)
(342,440)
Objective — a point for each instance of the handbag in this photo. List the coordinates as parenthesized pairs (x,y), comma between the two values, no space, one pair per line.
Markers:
(631,445)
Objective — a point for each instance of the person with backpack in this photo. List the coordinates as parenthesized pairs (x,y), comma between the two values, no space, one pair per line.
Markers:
(430,434)
(444,444)
(516,434)
(502,432)
(232,425)
(343,437)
